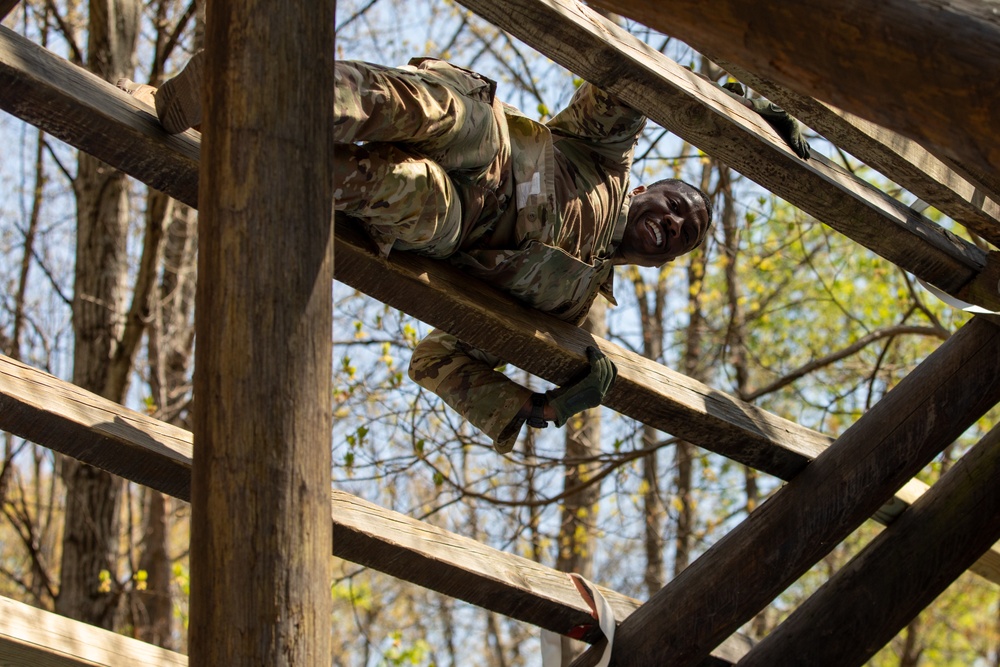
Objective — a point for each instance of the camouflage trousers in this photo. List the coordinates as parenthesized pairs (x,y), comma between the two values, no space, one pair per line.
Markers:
(418,150)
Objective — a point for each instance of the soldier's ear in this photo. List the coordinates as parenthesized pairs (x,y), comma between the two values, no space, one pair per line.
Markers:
(639,190)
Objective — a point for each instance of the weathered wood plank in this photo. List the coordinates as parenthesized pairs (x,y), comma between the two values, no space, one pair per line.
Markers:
(6,7)
(914,66)
(805,519)
(82,109)
(903,160)
(31,637)
(675,98)
(483,317)
(75,422)
(703,114)
(59,415)
(905,568)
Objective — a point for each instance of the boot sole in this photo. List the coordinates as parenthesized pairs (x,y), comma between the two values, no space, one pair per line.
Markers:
(178,101)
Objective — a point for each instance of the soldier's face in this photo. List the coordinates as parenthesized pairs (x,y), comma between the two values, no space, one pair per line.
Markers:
(664,222)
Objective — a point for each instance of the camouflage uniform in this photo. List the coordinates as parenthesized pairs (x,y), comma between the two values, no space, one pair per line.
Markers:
(534,209)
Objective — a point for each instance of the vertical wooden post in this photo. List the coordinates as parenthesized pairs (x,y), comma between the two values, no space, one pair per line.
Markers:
(261,530)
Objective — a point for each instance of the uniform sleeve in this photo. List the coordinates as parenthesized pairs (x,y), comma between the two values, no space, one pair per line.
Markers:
(600,118)
(467,380)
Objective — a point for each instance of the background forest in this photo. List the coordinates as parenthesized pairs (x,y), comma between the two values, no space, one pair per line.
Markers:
(775,308)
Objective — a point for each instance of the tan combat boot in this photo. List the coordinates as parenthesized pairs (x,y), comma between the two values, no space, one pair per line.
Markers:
(178,102)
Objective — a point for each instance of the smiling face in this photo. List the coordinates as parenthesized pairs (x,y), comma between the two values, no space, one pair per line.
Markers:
(664,222)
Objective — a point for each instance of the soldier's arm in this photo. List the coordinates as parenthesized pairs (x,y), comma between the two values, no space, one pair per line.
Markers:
(467,380)
(599,117)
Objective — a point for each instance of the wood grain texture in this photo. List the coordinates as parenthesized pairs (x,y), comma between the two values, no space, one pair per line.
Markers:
(905,568)
(706,116)
(914,66)
(77,423)
(87,112)
(903,160)
(262,416)
(31,637)
(745,570)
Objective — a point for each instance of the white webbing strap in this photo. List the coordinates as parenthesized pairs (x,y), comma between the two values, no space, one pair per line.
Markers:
(599,609)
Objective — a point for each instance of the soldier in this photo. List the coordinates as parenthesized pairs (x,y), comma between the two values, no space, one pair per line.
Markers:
(430,161)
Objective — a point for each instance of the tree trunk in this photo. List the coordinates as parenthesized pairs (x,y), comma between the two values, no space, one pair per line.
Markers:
(651,316)
(583,443)
(88,590)
(155,622)
(683,483)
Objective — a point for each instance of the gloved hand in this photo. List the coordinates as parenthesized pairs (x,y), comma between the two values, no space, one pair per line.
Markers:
(787,127)
(587,392)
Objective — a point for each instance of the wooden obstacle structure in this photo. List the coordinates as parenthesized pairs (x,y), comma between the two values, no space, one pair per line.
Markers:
(833,486)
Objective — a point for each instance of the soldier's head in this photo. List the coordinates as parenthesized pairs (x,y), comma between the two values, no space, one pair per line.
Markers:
(665,220)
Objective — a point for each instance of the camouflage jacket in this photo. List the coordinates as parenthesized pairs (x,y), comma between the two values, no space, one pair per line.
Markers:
(552,248)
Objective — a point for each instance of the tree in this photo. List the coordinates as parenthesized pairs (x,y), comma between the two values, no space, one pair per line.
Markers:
(102,359)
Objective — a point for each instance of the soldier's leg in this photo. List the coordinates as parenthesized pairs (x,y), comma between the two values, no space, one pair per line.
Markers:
(405,202)
(446,115)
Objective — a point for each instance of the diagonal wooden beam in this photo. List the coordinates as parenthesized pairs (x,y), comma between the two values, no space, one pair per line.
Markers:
(6,7)
(703,114)
(805,519)
(914,66)
(90,114)
(903,160)
(30,636)
(94,116)
(904,569)
(56,414)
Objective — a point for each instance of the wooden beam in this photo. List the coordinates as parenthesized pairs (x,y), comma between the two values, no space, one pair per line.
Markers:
(914,66)
(90,114)
(483,317)
(30,636)
(899,158)
(263,314)
(703,114)
(905,568)
(805,519)
(6,7)
(56,414)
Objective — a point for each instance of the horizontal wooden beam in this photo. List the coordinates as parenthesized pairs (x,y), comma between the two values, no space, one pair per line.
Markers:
(703,114)
(914,66)
(30,636)
(56,414)
(905,568)
(779,541)
(94,116)
(899,158)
